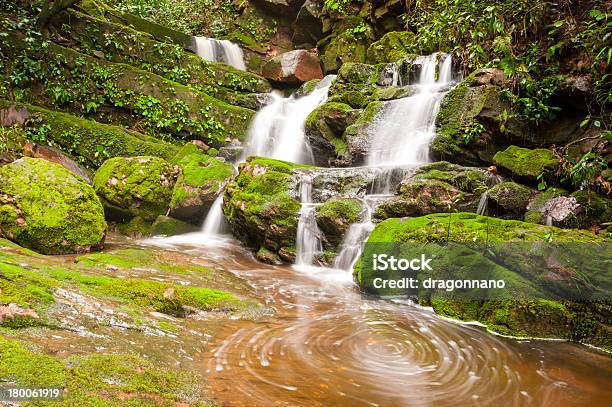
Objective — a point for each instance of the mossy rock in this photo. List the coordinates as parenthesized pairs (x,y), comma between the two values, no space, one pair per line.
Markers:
(335,217)
(200,182)
(532,311)
(510,196)
(471,124)
(136,228)
(261,203)
(527,164)
(391,47)
(348,43)
(434,188)
(596,208)
(46,208)
(90,143)
(357,135)
(135,186)
(324,128)
(167,226)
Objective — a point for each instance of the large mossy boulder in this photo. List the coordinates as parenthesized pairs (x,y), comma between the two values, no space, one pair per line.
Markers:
(358,137)
(200,182)
(534,311)
(47,208)
(335,217)
(391,47)
(135,187)
(437,187)
(527,164)
(262,206)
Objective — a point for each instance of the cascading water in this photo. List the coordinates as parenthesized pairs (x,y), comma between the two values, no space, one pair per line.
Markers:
(214,50)
(277,130)
(215,223)
(401,136)
(404,130)
(308,241)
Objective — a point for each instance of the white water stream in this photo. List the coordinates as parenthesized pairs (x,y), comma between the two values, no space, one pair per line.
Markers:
(226,51)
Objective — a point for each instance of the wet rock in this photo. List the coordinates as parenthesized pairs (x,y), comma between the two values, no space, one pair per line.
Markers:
(293,67)
(336,215)
(308,25)
(201,180)
(558,211)
(46,208)
(136,186)
(358,137)
(261,204)
(324,128)
(437,187)
(328,183)
(269,257)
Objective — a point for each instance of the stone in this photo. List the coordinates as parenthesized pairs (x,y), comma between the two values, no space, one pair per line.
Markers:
(135,187)
(47,208)
(293,67)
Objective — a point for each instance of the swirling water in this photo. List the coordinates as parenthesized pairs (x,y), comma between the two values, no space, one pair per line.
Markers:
(326,345)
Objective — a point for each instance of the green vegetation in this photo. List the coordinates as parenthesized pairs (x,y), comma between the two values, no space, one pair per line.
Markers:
(47,208)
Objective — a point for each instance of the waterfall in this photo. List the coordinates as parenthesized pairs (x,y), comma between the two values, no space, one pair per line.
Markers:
(400,138)
(354,240)
(277,130)
(402,133)
(215,223)
(308,241)
(214,50)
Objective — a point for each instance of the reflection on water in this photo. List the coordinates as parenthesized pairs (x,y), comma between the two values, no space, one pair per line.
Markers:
(329,346)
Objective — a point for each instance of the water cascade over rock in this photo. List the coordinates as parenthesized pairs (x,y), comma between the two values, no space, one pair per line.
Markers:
(277,130)
(226,51)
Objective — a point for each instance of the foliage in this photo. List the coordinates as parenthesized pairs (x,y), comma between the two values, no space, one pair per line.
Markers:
(532,42)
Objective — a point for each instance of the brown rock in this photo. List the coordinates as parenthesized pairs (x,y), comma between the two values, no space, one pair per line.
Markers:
(293,67)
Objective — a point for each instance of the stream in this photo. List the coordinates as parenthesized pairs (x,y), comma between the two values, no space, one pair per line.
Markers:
(327,345)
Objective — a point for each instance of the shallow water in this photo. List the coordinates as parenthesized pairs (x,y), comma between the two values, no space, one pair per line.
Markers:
(328,345)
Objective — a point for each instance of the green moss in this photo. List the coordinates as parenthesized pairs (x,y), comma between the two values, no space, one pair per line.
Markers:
(46,208)
(391,47)
(526,163)
(336,215)
(26,368)
(202,179)
(97,380)
(136,186)
(510,196)
(357,73)
(166,226)
(89,142)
